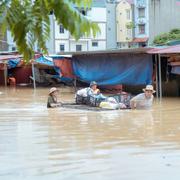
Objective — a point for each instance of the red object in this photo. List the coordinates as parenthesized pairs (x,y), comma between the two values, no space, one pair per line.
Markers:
(140,40)
(167,50)
(65,67)
(113,89)
(22,74)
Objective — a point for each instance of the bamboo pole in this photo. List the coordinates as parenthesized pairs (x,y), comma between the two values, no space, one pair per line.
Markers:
(160,79)
(33,74)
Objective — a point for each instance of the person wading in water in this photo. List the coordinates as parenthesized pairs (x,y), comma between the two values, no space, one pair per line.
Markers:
(52,98)
(143,100)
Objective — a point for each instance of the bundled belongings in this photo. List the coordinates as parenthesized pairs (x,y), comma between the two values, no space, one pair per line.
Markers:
(81,96)
(110,103)
(90,96)
(123,99)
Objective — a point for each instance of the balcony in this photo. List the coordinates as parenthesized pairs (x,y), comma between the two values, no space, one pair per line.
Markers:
(141,21)
(141,3)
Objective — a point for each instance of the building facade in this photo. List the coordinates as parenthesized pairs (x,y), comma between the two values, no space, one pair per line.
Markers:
(3,41)
(111,39)
(164,15)
(124,19)
(64,42)
(141,23)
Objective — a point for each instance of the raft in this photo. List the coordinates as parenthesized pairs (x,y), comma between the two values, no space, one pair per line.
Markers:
(85,107)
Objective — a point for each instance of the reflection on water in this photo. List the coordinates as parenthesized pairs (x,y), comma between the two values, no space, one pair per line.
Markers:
(40,143)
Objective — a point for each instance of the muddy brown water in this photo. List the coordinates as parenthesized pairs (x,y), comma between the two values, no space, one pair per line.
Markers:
(37,143)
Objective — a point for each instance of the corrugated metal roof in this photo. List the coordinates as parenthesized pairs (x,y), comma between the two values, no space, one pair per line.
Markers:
(113,51)
(166,50)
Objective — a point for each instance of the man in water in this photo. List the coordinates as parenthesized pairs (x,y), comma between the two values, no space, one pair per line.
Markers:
(143,100)
(52,98)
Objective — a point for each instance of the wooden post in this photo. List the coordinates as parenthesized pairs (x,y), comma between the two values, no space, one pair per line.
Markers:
(34,78)
(75,84)
(160,79)
(157,84)
(5,74)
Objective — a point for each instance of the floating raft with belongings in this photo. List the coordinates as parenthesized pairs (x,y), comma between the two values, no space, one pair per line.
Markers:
(85,107)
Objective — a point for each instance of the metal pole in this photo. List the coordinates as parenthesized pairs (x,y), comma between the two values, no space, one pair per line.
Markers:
(33,73)
(5,74)
(160,80)
(157,84)
(75,84)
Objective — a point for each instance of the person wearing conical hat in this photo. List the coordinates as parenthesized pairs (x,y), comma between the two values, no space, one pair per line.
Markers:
(143,100)
(52,98)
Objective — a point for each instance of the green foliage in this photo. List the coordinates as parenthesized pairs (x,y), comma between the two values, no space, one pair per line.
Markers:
(166,37)
(29,22)
(130,25)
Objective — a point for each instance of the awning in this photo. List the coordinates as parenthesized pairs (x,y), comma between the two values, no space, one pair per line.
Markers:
(7,57)
(167,50)
(140,40)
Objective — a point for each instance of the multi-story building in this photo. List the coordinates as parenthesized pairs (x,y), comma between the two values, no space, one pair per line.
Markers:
(111,39)
(124,18)
(164,15)
(65,42)
(141,23)
(3,42)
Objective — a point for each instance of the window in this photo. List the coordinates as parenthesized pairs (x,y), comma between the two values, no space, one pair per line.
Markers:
(83,11)
(13,48)
(61,47)
(61,29)
(141,12)
(78,47)
(94,44)
(141,28)
(128,14)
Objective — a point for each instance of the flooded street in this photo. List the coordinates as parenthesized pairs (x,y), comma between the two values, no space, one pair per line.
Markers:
(37,143)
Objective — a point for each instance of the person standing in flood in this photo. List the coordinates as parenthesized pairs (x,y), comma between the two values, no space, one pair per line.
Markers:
(52,98)
(143,100)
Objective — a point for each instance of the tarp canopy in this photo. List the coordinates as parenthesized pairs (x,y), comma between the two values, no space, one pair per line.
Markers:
(134,69)
(165,50)
(44,60)
(9,56)
(63,66)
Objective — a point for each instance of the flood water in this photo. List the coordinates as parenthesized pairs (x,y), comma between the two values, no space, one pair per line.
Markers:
(37,143)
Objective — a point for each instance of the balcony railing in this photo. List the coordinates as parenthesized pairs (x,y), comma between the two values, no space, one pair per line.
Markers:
(141,3)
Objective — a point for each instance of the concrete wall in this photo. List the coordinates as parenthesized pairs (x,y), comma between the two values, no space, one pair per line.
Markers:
(138,20)
(96,14)
(111,25)
(123,33)
(50,44)
(164,15)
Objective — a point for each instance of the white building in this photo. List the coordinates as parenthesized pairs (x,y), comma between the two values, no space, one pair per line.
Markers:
(64,42)
(141,22)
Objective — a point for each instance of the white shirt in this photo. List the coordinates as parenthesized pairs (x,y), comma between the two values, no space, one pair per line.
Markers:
(142,102)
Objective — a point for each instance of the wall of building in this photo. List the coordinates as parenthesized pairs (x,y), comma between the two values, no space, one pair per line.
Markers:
(95,14)
(164,15)
(50,44)
(111,25)
(124,16)
(3,41)
(141,20)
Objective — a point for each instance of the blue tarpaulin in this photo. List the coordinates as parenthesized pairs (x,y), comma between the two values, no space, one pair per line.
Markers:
(12,63)
(44,60)
(114,69)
